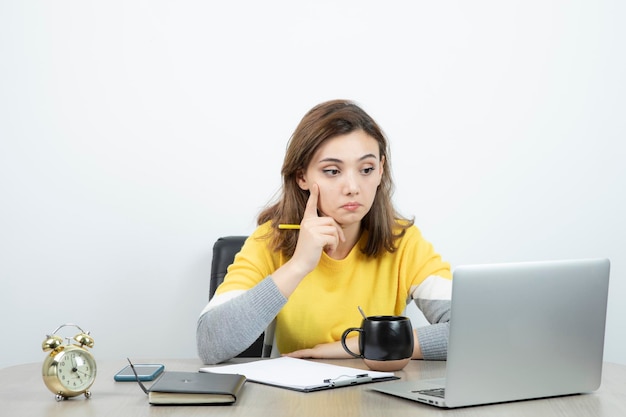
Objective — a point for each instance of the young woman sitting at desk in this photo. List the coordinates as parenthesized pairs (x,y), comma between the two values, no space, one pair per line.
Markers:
(347,247)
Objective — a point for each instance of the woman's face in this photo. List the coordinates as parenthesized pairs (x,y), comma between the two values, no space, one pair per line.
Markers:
(348,170)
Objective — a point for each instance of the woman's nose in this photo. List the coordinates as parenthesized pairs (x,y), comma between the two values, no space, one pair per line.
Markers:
(351,185)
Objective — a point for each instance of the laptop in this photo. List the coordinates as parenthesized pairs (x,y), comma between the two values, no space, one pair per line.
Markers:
(519,331)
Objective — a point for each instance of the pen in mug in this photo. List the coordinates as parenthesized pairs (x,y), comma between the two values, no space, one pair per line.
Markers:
(289,226)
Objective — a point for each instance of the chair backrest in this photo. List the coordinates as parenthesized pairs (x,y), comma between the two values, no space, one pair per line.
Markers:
(224,251)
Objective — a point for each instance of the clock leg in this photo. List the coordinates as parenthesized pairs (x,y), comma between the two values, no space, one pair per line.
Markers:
(59,397)
(87,394)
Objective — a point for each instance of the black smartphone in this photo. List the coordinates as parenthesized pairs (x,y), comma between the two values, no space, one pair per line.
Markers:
(145,372)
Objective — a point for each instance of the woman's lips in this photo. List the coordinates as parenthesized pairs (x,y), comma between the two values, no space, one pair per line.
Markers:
(351,206)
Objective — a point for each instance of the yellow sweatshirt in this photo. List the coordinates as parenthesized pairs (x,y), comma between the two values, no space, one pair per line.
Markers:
(325,302)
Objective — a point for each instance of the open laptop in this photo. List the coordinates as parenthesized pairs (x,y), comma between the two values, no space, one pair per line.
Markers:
(520,331)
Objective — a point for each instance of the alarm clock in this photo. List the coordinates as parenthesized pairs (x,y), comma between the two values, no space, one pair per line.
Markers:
(68,370)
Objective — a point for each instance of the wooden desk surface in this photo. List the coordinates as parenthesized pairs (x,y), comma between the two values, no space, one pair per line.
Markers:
(22,393)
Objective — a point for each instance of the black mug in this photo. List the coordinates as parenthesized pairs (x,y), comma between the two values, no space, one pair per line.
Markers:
(385,342)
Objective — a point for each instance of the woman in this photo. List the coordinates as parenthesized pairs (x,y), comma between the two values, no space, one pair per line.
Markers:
(352,249)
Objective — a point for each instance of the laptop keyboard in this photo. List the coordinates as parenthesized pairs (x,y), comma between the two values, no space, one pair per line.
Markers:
(435,392)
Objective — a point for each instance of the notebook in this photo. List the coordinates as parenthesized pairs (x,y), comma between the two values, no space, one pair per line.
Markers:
(195,388)
(301,374)
(520,331)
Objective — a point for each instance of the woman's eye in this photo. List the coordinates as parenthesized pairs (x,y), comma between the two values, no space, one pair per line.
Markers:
(331,171)
(368,170)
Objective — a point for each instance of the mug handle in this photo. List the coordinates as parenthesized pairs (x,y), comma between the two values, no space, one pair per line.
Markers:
(343,340)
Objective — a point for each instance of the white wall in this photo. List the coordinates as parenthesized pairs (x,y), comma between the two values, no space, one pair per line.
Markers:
(135,133)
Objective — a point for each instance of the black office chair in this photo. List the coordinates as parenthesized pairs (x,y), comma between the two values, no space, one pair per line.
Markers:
(224,251)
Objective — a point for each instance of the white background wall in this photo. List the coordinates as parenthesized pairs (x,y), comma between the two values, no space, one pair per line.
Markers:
(134,133)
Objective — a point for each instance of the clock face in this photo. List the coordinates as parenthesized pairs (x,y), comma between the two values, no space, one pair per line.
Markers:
(76,370)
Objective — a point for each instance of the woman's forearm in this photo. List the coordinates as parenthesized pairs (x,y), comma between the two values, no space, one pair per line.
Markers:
(229,328)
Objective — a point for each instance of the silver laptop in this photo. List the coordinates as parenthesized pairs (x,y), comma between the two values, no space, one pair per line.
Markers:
(520,331)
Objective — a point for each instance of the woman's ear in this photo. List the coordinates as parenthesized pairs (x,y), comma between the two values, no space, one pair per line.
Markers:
(382,170)
(301,181)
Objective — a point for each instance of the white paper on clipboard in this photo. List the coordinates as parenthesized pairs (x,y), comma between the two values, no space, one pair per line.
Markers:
(301,374)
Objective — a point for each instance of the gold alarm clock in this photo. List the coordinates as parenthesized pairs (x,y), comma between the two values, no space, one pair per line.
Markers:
(68,370)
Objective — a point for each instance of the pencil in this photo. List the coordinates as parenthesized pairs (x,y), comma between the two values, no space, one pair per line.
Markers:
(289,226)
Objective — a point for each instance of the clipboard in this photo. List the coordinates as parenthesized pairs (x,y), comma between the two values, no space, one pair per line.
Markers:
(301,374)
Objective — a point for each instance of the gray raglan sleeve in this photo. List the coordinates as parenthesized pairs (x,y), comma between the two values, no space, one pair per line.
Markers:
(433,339)
(229,328)
(435,305)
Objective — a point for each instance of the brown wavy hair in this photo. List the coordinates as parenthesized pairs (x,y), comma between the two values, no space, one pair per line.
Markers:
(325,121)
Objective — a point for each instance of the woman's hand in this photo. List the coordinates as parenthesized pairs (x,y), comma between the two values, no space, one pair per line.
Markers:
(316,234)
(333,350)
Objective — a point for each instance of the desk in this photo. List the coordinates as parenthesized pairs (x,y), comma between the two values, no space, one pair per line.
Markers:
(22,393)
